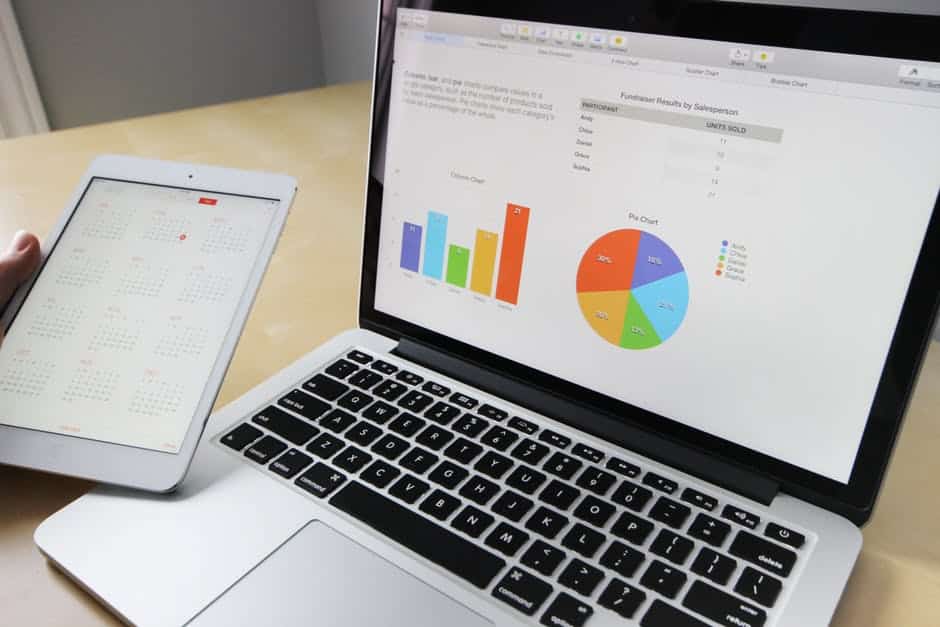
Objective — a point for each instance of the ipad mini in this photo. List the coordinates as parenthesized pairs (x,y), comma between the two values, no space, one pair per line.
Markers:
(115,349)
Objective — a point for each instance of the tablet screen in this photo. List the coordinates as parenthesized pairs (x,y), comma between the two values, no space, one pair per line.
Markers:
(122,328)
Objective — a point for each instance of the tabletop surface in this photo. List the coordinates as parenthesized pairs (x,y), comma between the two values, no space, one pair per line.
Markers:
(320,137)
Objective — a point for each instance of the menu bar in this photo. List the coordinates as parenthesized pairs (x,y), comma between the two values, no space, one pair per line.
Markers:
(781,67)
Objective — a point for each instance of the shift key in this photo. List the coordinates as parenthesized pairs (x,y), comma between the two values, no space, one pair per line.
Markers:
(769,556)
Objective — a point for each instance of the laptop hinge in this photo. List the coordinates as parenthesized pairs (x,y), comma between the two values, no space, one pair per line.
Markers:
(606,426)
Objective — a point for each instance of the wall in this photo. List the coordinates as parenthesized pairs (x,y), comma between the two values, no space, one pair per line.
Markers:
(931,7)
(347,34)
(99,60)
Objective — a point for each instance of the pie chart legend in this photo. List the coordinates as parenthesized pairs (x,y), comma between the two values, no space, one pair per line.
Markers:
(632,289)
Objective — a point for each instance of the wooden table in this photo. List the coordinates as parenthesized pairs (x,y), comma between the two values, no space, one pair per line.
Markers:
(309,294)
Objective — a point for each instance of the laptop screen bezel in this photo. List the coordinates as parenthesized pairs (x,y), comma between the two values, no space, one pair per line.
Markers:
(905,37)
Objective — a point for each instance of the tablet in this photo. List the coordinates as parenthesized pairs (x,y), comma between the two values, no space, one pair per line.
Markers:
(117,346)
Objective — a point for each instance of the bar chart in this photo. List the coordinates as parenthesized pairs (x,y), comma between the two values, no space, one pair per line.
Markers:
(494,257)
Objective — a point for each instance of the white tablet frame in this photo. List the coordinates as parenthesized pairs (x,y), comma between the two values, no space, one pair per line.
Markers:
(131,466)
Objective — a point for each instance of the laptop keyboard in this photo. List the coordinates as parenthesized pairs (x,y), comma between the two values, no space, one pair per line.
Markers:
(553,528)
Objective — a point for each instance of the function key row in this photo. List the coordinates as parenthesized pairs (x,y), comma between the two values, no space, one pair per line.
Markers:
(520,424)
(341,369)
(488,411)
(463,400)
(384,367)
(409,377)
(622,467)
(555,439)
(359,357)
(436,389)
(365,379)
(588,453)
(695,497)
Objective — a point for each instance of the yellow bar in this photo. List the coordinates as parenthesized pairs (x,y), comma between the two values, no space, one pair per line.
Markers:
(484,262)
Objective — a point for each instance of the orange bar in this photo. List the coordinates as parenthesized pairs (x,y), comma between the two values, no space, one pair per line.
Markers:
(484,261)
(510,257)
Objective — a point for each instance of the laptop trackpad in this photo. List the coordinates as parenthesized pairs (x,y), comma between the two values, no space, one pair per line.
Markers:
(321,577)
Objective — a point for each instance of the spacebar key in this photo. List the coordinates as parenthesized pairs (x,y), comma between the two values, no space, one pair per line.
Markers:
(419,534)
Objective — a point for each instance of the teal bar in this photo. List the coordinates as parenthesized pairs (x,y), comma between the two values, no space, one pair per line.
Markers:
(434,239)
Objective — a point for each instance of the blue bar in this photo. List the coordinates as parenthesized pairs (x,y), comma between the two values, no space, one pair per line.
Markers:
(434,245)
(410,246)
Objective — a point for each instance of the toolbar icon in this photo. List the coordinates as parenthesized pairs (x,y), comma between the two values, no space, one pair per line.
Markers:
(763,56)
(739,54)
(618,41)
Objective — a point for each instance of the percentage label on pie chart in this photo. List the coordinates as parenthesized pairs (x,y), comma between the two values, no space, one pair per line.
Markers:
(632,289)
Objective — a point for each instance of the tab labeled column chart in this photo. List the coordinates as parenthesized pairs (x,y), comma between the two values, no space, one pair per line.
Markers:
(494,258)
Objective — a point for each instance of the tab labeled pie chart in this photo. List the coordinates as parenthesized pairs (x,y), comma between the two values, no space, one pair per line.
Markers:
(632,289)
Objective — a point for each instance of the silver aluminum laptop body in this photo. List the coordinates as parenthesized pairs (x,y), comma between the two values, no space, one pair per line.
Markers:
(228,549)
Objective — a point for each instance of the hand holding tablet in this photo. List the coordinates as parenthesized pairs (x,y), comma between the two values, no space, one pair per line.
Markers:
(17,263)
(116,348)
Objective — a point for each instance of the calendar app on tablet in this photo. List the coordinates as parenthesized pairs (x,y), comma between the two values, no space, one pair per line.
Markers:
(122,328)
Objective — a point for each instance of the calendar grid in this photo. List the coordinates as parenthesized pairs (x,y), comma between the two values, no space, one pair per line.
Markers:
(125,322)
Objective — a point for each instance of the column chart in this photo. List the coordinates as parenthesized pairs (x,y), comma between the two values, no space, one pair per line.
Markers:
(494,256)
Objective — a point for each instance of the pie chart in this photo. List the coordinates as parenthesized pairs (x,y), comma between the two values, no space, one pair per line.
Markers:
(632,289)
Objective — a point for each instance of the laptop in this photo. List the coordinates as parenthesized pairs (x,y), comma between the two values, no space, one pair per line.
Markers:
(645,290)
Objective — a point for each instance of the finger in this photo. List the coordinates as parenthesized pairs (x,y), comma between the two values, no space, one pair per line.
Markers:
(17,263)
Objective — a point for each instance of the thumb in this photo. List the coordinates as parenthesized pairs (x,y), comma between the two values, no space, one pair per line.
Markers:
(17,263)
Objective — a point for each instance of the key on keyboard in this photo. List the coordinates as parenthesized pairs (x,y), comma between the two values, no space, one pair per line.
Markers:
(522,591)
(325,387)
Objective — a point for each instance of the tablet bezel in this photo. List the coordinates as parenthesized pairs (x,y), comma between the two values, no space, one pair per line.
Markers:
(122,464)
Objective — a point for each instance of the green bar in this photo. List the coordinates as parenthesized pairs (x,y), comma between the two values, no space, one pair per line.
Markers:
(458,260)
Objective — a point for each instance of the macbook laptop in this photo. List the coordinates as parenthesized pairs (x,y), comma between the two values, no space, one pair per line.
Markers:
(645,290)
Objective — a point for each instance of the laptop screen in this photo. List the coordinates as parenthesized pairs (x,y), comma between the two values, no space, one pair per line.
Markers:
(719,233)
